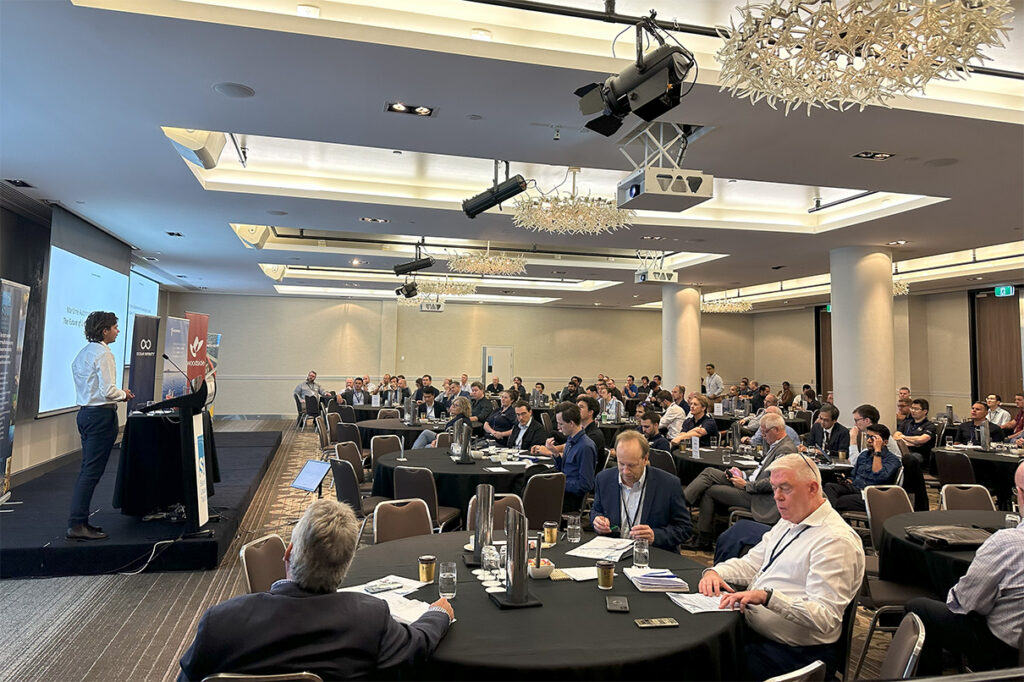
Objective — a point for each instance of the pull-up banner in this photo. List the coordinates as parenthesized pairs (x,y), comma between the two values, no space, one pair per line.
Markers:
(198,326)
(142,371)
(175,348)
(13,311)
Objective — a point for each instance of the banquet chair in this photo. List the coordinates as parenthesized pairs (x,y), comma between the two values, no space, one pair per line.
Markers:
(397,519)
(322,433)
(349,451)
(332,406)
(383,445)
(347,414)
(418,482)
(965,497)
(444,440)
(953,467)
(501,502)
(389,413)
(262,562)
(347,431)
(278,677)
(333,419)
(300,407)
(900,662)
(346,489)
(542,499)
(845,641)
(312,406)
(812,672)
(662,459)
(545,419)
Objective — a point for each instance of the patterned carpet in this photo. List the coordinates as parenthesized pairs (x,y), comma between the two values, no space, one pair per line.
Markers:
(136,627)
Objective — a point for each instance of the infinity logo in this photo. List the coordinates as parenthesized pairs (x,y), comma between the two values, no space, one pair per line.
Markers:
(145,344)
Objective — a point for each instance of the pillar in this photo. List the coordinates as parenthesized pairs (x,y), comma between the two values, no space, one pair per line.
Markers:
(862,331)
(681,361)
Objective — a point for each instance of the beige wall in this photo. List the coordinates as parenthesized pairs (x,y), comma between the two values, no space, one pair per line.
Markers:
(948,345)
(784,348)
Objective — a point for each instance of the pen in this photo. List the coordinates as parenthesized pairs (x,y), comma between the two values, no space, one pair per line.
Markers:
(613,529)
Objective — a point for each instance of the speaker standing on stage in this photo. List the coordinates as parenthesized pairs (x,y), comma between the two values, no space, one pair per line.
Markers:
(95,373)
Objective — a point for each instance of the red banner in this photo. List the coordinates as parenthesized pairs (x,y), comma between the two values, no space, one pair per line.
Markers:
(198,324)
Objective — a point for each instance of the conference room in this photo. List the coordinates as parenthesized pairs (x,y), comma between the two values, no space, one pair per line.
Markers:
(420,273)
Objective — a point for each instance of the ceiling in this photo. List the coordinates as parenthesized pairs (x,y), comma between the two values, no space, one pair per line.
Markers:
(84,93)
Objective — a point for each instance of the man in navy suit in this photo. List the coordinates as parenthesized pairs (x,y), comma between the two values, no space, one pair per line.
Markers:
(303,623)
(827,433)
(639,501)
(527,431)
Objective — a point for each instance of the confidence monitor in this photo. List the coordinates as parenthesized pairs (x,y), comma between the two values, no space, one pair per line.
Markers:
(312,475)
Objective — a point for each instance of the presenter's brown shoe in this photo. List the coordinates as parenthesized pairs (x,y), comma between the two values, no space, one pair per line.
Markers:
(94,528)
(82,531)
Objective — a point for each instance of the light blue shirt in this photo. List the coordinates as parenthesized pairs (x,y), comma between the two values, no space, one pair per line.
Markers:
(757,439)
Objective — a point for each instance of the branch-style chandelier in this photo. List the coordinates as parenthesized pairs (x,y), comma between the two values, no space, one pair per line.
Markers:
(446,287)
(570,213)
(837,54)
(726,305)
(487,263)
(900,288)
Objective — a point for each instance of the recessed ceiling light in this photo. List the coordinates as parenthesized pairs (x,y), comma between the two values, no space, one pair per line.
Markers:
(655,237)
(79,202)
(356,261)
(474,117)
(18,183)
(558,272)
(873,156)
(181,276)
(480,34)
(732,181)
(278,212)
(597,303)
(636,295)
(151,259)
(204,288)
(374,220)
(508,291)
(235,90)
(898,242)
(414,109)
(175,234)
(975,279)
(311,11)
(778,267)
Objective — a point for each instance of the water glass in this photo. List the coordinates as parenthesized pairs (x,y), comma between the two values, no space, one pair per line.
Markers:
(726,458)
(1011,520)
(641,553)
(446,580)
(573,530)
(949,441)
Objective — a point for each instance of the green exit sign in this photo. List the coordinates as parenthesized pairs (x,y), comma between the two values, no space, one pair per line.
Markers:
(828,308)
(1005,290)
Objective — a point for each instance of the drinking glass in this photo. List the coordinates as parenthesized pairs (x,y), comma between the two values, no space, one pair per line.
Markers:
(949,441)
(641,553)
(726,458)
(489,558)
(573,530)
(446,580)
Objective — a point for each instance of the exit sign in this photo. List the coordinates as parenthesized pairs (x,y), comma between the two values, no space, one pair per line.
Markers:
(1005,290)
(828,308)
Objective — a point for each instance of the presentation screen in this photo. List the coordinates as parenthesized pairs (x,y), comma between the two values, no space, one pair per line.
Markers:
(143,298)
(75,288)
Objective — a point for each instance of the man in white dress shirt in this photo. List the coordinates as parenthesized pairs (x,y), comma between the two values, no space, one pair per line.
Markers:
(673,417)
(798,580)
(713,385)
(95,374)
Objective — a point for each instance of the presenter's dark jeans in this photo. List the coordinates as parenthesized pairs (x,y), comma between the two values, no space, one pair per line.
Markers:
(767,658)
(960,635)
(98,428)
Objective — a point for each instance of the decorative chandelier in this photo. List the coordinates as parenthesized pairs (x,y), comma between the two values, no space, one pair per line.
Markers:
(487,263)
(900,288)
(446,287)
(725,305)
(570,214)
(837,54)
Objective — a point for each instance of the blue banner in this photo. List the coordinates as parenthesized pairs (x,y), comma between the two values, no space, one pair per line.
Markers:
(142,372)
(13,311)
(175,348)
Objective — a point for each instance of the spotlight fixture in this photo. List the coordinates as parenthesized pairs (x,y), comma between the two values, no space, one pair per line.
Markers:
(414,109)
(873,156)
(407,290)
(421,263)
(898,242)
(175,234)
(496,194)
(374,220)
(648,88)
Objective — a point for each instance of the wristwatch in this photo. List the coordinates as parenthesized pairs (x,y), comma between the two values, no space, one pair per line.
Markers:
(768,596)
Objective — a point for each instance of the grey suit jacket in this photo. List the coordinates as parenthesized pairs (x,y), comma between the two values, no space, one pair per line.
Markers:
(762,501)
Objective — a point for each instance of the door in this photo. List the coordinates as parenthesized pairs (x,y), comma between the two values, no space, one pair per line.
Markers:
(497,361)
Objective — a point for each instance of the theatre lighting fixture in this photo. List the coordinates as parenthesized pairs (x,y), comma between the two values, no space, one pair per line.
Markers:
(840,53)
(648,88)
(487,263)
(570,213)
(420,263)
(497,193)
(408,290)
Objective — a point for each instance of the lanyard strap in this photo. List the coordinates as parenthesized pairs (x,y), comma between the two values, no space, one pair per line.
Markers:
(776,553)
(631,521)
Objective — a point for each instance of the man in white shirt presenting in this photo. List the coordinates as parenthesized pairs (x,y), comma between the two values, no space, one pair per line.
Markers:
(798,580)
(95,374)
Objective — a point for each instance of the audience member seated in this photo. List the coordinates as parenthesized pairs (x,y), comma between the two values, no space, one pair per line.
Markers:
(357,395)
(864,416)
(903,393)
(757,401)
(875,466)
(649,427)
(423,383)
(679,398)
(1015,428)
(588,408)
(304,623)
(745,389)
(827,434)
(714,487)
(902,410)
(517,385)
(732,400)
(460,410)
(571,390)
(699,423)
(495,386)
(672,416)
(309,387)
(918,432)
(482,406)
(577,459)
(453,391)
(797,581)
(611,407)
(983,615)
(527,431)
(630,390)
(757,439)
(368,385)
(431,407)
(996,414)
(969,432)
(785,396)
(498,424)
(743,428)
(811,400)
(382,387)
(713,385)
(538,395)
(403,389)
(639,501)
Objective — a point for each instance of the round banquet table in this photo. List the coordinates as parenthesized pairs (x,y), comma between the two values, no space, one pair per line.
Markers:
(993,469)
(368,412)
(689,468)
(456,483)
(397,427)
(571,635)
(724,422)
(903,559)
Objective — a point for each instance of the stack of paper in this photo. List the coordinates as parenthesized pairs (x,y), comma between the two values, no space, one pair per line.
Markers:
(582,573)
(655,580)
(404,610)
(603,547)
(696,603)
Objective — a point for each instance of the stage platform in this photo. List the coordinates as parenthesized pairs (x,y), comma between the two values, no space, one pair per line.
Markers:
(32,542)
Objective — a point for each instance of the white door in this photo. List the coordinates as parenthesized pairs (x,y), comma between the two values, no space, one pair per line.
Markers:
(497,361)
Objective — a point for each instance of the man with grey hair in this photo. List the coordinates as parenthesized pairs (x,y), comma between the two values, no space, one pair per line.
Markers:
(798,579)
(304,623)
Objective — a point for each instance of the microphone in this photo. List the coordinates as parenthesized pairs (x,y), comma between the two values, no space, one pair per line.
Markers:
(187,384)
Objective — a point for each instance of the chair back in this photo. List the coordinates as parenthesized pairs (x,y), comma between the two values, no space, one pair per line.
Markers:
(397,519)
(417,482)
(346,487)
(444,441)
(300,406)
(347,431)
(953,467)
(278,677)
(383,445)
(846,636)
(347,413)
(313,405)
(542,499)
(322,432)
(349,452)
(502,501)
(332,406)
(962,497)
(389,413)
(882,502)
(900,662)
(812,672)
(902,445)
(263,562)
(662,459)
(545,419)
(333,419)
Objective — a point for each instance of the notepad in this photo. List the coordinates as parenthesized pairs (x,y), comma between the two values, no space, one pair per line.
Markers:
(696,603)
(655,580)
(603,547)
(496,470)
(582,573)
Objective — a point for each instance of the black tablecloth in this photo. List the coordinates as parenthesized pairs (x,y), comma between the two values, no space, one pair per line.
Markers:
(365,412)
(572,635)
(149,475)
(904,559)
(689,468)
(383,427)
(992,469)
(456,483)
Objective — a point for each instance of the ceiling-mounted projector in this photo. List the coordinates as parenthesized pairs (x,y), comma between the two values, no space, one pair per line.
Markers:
(664,189)
(200,147)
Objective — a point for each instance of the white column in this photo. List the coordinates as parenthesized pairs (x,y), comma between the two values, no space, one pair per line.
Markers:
(862,331)
(388,337)
(681,361)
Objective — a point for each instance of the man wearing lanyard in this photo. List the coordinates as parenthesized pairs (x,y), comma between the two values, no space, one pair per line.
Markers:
(527,432)
(798,580)
(578,457)
(639,501)
(95,374)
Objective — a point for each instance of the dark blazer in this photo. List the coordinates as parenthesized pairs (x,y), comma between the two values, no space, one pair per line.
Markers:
(967,433)
(349,396)
(664,508)
(438,408)
(338,635)
(762,499)
(491,388)
(535,434)
(839,439)
(398,395)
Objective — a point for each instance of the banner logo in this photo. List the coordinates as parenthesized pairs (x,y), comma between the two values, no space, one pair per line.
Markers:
(145,344)
(195,346)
